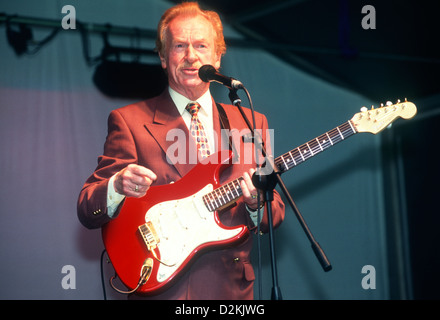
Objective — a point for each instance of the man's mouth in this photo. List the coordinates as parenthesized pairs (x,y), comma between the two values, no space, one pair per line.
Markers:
(190,71)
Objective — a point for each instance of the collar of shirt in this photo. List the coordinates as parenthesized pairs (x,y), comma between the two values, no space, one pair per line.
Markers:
(205,113)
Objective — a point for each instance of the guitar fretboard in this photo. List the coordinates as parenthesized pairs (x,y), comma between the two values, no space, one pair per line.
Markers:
(223,195)
(304,152)
(231,191)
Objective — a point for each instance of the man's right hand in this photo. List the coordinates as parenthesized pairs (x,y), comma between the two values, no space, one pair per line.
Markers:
(134,181)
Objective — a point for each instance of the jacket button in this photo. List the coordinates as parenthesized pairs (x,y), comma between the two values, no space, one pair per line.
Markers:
(236,260)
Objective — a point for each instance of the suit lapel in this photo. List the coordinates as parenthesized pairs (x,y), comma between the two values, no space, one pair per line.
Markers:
(167,122)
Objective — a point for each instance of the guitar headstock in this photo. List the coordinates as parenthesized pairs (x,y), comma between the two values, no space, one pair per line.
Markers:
(375,120)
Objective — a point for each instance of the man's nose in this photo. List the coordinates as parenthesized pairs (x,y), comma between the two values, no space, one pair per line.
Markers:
(191,54)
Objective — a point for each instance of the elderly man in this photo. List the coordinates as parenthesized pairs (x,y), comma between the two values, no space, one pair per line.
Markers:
(136,156)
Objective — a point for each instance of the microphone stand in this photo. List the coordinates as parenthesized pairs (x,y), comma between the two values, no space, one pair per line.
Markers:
(267,183)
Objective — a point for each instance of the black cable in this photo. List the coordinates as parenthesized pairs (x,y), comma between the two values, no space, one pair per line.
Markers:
(102,275)
(42,43)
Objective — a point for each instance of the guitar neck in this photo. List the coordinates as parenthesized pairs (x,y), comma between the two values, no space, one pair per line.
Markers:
(224,195)
(230,192)
(304,152)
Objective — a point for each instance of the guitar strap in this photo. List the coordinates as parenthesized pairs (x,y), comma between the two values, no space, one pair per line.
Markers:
(226,129)
(224,123)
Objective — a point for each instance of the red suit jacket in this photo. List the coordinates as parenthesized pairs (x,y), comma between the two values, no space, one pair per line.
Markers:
(137,134)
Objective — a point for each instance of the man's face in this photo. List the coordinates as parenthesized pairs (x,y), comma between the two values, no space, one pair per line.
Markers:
(189,45)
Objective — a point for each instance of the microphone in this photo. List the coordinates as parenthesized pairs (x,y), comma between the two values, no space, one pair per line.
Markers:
(208,73)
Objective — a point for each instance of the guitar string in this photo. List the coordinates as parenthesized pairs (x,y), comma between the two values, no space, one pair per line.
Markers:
(220,196)
(309,149)
(213,200)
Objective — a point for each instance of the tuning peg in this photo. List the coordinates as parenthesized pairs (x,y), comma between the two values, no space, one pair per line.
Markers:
(389,103)
(381,105)
(364,109)
(372,107)
(398,100)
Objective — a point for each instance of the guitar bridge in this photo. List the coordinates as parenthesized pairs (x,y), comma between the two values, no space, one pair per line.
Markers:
(149,235)
(151,240)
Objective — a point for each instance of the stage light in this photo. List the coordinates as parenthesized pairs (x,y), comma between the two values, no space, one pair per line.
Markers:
(131,80)
(19,36)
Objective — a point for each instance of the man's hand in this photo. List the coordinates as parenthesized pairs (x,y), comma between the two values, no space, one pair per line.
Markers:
(249,191)
(134,181)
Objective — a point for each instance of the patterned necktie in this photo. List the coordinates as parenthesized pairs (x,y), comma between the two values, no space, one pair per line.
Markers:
(197,130)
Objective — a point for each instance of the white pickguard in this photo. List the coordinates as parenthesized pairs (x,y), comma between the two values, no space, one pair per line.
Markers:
(182,225)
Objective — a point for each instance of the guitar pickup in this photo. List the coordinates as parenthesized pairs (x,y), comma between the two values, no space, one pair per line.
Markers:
(149,235)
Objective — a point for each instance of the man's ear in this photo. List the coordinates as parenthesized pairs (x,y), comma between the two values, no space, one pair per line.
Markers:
(218,62)
(163,61)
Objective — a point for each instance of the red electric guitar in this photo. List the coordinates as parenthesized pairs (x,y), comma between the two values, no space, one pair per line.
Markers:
(156,237)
